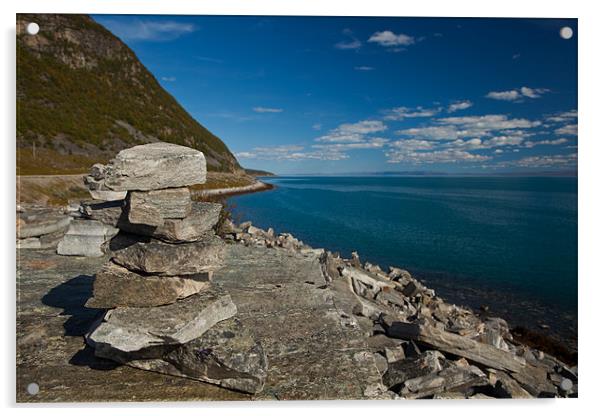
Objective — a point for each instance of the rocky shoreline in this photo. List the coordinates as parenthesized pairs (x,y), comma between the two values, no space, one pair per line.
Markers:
(402,307)
(183,291)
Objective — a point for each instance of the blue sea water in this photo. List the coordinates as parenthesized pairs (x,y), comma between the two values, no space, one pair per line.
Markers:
(508,241)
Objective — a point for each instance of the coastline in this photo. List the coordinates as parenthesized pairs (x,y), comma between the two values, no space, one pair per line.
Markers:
(235,190)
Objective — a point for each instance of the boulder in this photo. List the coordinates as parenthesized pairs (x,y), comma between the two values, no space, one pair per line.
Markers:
(153,207)
(127,330)
(116,286)
(227,355)
(203,217)
(157,257)
(86,238)
(154,166)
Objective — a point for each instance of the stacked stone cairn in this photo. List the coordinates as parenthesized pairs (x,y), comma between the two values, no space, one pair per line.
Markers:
(165,313)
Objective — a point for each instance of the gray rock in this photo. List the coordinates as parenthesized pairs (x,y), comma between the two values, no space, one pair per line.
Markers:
(116,286)
(506,387)
(88,238)
(126,330)
(401,371)
(226,355)
(107,195)
(381,363)
(451,379)
(203,218)
(108,212)
(42,242)
(40,223)
(157,257)
(461,346)
(155,166)
(394,354)
(153,207)
(398,274)
(411,289)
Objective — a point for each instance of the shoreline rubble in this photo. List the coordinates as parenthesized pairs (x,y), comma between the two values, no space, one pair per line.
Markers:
(480,357)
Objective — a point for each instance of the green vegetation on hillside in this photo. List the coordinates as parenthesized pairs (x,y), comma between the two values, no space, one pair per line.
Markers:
(83,95)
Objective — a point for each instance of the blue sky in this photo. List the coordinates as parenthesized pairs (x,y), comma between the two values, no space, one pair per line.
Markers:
(351,95)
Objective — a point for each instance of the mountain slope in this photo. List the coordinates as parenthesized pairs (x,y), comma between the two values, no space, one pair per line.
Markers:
(83,95)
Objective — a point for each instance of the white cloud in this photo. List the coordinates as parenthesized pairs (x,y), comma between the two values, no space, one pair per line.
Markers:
(372,143)
(555,142)
(136,29)
(568,130)
(504,95)
(168,79)
(387,38)
(351,43)
(353,132)
(410,145)
(267,110)
(485,124)
(401,113)
(459,105)
(517,94)
(562,117)
(431,132)
(498,151)
(544,161)
(364,68)
(317,126)
(437,156)
(291,153)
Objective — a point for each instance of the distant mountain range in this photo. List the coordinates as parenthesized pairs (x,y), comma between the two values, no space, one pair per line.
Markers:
(83,95)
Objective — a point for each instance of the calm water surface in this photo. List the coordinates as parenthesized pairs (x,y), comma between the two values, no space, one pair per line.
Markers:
(508,242)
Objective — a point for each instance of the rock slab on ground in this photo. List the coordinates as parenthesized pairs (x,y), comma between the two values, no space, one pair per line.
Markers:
(227,355)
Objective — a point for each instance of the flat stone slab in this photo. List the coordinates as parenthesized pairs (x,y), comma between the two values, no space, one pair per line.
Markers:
(153,207)
(39,222)
(155,166)
(157,257)
(227,355)
(127,330)
(116,286)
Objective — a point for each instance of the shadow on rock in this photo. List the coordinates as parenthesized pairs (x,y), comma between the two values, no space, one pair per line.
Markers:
(85,357)
(71,296)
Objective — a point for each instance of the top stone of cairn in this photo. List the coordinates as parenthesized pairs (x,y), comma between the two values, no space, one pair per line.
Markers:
(154,166)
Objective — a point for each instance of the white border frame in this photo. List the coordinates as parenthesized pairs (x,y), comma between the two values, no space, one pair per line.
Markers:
(590,207)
